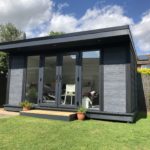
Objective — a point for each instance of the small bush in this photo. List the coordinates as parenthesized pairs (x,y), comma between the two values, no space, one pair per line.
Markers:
(26,104)
(81,109)
(144,71)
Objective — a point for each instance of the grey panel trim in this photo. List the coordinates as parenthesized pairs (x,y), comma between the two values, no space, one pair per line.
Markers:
(59,84)
(133,49)
(24,78)
(79,91)
(77,85)
(101,87)
(8,80)
(40,81)
(112,117)
(128,88)
(67,39)
(12,108)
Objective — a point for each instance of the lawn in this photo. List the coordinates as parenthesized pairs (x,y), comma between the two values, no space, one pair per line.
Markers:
(27,133)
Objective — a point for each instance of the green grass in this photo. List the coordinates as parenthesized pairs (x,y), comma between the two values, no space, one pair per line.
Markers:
(27,133)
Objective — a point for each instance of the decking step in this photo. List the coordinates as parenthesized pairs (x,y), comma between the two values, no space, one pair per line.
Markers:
(47,114)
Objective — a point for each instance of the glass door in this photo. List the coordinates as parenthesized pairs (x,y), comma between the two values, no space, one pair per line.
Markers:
(68,81)
(90,80)
(49,81)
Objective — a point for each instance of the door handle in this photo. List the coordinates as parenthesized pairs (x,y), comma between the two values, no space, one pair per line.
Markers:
(57,78)
(60,78)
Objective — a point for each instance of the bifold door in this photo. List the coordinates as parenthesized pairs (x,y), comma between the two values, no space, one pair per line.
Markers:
(67,85)
(58,81)
(48,81)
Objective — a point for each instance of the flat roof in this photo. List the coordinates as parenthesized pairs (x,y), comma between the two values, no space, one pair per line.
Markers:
(101,35)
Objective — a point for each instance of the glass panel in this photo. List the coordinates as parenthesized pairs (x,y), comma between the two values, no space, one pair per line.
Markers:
(49,80)
(90,80)
(68,80)
(32,78)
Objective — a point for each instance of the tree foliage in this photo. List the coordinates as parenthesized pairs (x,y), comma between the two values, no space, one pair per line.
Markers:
(3,63)
(144,71)
(53,33)
(8,32)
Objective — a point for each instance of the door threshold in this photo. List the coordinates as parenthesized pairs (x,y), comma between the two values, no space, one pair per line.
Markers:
(55,108)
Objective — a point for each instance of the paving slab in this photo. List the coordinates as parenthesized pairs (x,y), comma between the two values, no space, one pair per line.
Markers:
(5,114)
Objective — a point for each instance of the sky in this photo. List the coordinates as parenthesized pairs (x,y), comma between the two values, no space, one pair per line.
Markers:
(38,17)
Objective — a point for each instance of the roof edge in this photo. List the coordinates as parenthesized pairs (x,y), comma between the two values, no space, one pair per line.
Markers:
(70,34)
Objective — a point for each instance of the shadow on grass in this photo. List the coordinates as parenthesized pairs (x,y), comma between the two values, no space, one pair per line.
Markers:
(141,115)
(142,108)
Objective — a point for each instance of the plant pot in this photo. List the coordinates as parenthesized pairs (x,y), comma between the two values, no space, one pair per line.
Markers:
(80,116)
(26,108)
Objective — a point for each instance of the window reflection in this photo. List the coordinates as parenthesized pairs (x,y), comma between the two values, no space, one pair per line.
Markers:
(90,79)
(68,80)
(32,78)
(49,80)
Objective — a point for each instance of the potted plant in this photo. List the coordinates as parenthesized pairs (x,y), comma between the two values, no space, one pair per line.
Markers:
(26,105)
(81,113)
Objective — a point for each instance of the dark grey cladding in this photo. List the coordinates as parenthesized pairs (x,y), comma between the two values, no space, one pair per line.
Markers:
(16,80)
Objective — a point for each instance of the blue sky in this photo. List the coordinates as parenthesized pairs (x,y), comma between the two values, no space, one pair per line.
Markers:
(38,17)
(133,8)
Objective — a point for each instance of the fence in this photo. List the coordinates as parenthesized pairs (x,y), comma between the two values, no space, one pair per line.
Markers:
(143,92)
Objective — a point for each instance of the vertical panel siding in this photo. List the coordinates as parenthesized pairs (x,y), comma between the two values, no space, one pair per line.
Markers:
(114,88)
(115,60)
(16,80)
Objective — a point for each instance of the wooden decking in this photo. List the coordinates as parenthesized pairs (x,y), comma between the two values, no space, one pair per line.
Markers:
(48,114)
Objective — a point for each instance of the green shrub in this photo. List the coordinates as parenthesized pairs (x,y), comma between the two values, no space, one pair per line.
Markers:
(26,104)
(144,71)
(81,109)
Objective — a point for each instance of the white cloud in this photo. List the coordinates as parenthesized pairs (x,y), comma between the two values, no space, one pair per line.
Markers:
(39,17)
(141,32)
(65,23)
(94,18)
(26,14)
(108,16)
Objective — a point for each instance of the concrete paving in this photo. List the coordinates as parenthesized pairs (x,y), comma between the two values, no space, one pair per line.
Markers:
(5,114)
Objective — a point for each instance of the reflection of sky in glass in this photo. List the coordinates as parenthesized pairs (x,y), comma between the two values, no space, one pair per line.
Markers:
(91,54)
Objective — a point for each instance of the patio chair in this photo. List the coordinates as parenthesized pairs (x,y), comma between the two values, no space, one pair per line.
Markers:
(70,91)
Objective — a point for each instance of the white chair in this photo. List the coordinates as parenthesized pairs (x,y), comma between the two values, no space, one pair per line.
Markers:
(70,91)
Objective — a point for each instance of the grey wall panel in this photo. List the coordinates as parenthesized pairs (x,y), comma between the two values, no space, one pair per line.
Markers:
(16,80)
(115,55)
(114,88)
(114,72)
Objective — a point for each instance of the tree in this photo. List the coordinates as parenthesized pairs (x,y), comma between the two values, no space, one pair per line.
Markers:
(3,63)
(8,32)
(53,33)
